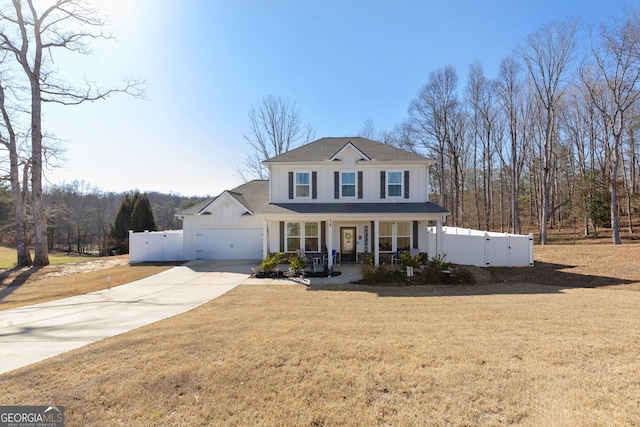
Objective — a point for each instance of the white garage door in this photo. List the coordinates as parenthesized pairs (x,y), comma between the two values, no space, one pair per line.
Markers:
(229,243)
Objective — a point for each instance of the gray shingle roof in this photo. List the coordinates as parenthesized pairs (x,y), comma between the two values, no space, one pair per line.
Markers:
(352,208)
(325,148)
(252,195)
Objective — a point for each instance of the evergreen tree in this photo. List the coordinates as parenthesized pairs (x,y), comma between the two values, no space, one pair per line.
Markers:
(142,215)
(122,223)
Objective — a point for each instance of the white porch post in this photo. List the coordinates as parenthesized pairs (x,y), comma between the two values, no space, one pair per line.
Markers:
(265,239)
(439,248)
(376,242)
(330,244)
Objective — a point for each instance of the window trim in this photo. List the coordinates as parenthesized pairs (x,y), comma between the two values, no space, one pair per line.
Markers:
(302,237)
(409,234)
(401,184)
(317,236)
(355,185)
(394,235)
(380,236)
(288,236)
(296,185)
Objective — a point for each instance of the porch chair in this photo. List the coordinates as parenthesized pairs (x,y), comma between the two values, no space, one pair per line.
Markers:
(395,258)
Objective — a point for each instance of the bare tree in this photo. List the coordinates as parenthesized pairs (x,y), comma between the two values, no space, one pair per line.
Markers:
(19,192)
(432,115)
(369,130)
(483,99)
(511,91)
(275,127)
(548,54)
(612,80)
(30,33)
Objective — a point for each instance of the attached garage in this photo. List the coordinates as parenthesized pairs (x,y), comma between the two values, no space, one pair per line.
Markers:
(228,243)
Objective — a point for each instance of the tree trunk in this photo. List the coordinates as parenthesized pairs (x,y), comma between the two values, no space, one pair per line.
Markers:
(41,248)
(18,194)
(615,225)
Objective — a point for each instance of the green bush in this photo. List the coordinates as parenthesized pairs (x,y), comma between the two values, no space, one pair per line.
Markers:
(271,261)
(438,262)
(406,260)
(297,263)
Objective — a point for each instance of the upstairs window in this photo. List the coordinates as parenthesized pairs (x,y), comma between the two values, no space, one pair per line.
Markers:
(394,184)
(302,184)
(348,184)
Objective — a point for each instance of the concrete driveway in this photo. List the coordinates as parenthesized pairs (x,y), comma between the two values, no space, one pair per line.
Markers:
(33,333)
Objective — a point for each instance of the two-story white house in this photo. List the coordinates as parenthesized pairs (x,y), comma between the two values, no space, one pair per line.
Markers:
(347,197)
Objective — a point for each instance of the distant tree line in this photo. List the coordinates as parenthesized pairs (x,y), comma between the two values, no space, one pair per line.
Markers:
(83,219)
(551,139)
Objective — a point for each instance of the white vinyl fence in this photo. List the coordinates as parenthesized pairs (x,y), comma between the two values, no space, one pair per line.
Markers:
(483,248)
(155,246)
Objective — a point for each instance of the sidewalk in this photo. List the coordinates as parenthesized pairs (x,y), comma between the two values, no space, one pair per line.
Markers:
(33,333)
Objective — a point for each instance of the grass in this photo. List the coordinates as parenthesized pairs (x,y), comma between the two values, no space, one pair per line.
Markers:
(8,257)
(39,291)
(505,351)
(74,276)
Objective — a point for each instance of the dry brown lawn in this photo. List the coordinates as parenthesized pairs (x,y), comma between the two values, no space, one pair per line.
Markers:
(560,348)
(27,286)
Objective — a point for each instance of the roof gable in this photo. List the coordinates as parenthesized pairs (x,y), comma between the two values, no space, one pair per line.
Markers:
(326,149)
(250,195)
(349,147)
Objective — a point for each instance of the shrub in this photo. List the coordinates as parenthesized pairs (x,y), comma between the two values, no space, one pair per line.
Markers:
(434,272)
(438,262)
(372,273)
(271,261)
(406,260)
(462,275)
(297,263)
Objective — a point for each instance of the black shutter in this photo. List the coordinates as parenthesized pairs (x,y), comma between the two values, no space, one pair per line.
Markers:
(290,185)
(281,236)
(360,183)
(314,185)
(406,184)
(336,185)
(383,183)
(415,234)
(323,232)
(372,238)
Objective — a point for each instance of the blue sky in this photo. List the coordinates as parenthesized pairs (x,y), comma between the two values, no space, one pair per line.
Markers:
(207,61)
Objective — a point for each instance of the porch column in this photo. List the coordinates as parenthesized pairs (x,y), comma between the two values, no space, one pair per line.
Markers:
(329,243)
(376,242)
(439,248)
(265,239)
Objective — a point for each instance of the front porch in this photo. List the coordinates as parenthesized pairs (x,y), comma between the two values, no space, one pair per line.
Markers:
(345,240)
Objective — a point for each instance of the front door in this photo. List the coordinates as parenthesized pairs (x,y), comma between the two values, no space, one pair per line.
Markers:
(347,244)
